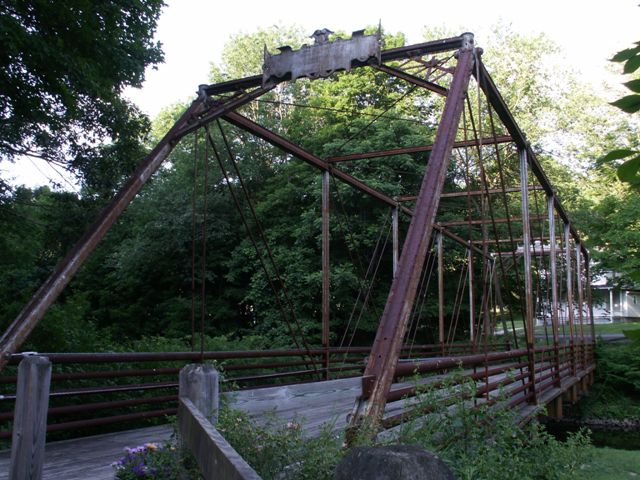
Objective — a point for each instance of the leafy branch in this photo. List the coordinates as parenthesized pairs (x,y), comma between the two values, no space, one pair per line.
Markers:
(628,170)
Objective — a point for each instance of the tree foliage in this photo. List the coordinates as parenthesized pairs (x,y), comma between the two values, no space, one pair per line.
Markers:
(628,170)
(63,67)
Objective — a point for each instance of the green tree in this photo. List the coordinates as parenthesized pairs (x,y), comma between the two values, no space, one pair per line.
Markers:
(63,67)
(628,170)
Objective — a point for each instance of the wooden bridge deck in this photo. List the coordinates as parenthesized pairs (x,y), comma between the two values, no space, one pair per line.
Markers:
(89,458)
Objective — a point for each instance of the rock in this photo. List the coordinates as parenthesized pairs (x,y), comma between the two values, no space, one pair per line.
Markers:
(393,462)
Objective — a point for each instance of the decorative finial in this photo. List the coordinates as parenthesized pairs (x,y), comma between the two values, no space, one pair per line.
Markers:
(321,36)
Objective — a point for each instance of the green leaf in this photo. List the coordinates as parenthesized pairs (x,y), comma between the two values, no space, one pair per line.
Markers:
(633,85)
(625,54)
(632,64)
(627,172)
(629,104)
(617,154)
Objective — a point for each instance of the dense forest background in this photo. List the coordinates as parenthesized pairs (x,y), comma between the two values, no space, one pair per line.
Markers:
(135,291)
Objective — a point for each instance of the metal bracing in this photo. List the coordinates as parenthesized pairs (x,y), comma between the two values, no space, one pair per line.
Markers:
(326,268)
(554,283)
(528,280)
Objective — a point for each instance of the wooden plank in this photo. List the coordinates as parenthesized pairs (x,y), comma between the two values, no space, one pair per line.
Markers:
(216,458)
(30,419)
(287,401)
(89,457)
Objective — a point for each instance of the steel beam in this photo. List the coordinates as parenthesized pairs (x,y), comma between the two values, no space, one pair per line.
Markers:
(440,250)
(326,269)
(554,285)
(393,324)
(581,303)
(276,140)
(407,77)
(570,306)
(395,227)
(399,53)
(472,193)
(589,302)
(466,223)
(472,309)
(528,280)
(505,240)
(298,152)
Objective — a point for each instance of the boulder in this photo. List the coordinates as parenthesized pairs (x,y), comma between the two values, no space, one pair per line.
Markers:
(393,462)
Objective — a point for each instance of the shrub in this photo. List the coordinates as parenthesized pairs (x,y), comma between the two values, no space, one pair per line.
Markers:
(272,447)
(483,441)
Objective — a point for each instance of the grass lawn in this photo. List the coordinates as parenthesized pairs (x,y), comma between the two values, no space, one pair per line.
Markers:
(611,464)
(601,328)
(616,327)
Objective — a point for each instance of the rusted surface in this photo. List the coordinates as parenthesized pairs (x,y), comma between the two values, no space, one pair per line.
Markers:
(538,378)
(499,105)
(528,279)
(326,268)
(553,268)
(407,77)
(393,324)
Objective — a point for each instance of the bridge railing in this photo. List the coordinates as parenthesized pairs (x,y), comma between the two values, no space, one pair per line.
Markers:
(498,376)
(94,392)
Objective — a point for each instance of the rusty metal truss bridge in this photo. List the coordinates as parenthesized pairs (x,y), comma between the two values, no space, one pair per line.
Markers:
(485,214)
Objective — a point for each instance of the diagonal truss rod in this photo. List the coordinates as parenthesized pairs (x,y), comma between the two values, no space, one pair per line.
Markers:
(407,77)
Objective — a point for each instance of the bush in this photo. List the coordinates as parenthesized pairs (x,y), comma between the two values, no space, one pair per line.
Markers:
(616,391)
(273,447)
(486,442)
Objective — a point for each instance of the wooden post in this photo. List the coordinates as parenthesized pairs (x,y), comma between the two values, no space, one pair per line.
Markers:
(199,383)
(30,419)
(197,413)
(557,408)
